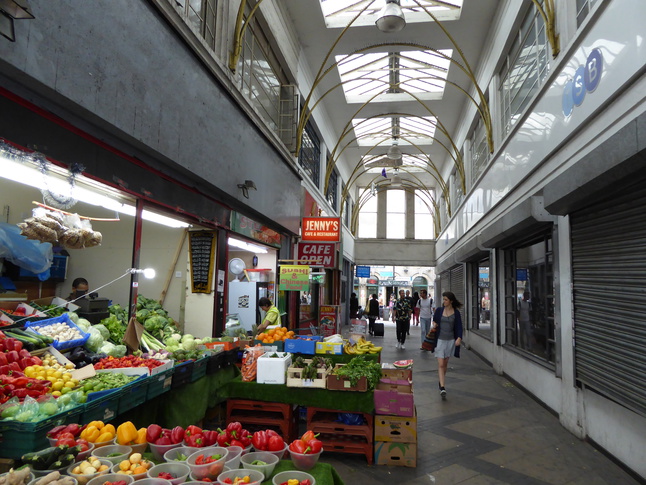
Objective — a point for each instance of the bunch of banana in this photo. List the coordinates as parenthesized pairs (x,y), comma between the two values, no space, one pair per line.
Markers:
(362,346)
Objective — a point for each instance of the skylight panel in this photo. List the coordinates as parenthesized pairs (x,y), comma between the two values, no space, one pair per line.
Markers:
(390,76)
(339,13)
(382,131)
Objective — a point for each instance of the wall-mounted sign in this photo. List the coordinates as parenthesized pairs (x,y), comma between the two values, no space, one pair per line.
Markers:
(321,229)
(294,278)
(362,271)
(586,79)
(255,230)
(316,254)
(201,247)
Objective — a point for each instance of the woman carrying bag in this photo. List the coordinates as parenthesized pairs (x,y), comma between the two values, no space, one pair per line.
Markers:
(447,330)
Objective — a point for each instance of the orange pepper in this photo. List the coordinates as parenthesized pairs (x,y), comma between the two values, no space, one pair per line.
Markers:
(97,424)
(109,428)
(141,436)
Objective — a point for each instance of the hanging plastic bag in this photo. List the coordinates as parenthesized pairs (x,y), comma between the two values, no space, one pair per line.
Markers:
(28,254)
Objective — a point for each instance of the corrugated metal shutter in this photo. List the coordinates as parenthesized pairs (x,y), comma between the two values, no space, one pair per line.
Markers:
(609,281)
(445,283)
(457,284)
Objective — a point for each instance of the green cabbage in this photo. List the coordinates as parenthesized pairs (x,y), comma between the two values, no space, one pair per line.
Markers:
(104,331)
(95,341)
(83,324)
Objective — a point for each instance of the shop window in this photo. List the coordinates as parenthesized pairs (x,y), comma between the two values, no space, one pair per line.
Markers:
(480,297)
(479,150)
(309,158)
(529,297)
(524,69)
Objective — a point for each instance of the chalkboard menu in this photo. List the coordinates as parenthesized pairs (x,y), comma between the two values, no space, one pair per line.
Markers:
(201,248)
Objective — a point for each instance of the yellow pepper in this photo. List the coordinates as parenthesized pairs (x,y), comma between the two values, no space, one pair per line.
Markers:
(293,481)
(91,433)
(96,424)
(141,436)
(109,428)
(126,433)
(103,437)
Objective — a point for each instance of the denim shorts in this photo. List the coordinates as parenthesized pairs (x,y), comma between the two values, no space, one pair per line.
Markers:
(444,349)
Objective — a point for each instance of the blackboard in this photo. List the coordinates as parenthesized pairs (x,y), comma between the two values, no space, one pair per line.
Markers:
(201,248)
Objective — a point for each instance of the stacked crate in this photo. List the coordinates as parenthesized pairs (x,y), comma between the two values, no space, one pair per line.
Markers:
(396,419)
(261,415)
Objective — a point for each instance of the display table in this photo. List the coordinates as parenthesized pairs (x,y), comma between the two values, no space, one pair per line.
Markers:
(324,473)
(360,402)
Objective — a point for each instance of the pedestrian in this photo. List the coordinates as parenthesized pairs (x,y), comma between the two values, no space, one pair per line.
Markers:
(412,306)
(391,308)
(447,323)
(373,313)
(354,305)
(401,318)
(425,313)
(415,308)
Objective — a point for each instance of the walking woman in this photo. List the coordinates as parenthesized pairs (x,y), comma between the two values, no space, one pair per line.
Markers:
(447,323)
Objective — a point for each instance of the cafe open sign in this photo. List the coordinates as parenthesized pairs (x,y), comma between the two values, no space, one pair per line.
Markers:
(317,254)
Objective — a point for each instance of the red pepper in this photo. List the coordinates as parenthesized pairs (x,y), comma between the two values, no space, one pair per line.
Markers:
(275,443)
(298,446)
(195,440)
(245,437)
(235,442)
(223,438)
(73,428)
(153,432)
(164,440)
(210,437)
(24,354)
(177,434)
(54,432)
(234,429)
(9,344)
(308,435)
(15,366)
(270,433)
(305,482)
(12,356)
(166,476)
(3,359)
(191,430)
(314,445)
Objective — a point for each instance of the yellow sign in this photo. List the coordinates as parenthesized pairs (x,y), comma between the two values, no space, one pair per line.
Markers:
(294,277)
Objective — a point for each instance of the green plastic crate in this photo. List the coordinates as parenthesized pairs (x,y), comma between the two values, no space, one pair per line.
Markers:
(134,394)
(183,374)
(199,368)
(20,438)
(104,408)
(160,383)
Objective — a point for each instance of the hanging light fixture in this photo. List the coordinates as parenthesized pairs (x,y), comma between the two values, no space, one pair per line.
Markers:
(394,152)
(391,18)
(396,180)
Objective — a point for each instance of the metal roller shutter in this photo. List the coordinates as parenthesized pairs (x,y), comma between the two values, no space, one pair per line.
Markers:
(457,284)
(445,284)
(609,282)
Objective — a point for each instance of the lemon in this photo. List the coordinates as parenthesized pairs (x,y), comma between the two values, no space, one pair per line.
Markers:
(58,374)
(69,385)
(56,393)
(75,382)
(57,386)
(69,365)
(66,377)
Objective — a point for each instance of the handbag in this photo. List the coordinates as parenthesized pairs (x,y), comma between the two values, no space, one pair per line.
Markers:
(429,341)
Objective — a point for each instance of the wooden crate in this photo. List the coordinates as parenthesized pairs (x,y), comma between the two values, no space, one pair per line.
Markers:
(295,377)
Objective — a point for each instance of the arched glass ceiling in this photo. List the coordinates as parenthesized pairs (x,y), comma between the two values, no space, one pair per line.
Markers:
(422,73)
(339,13)
(381,131)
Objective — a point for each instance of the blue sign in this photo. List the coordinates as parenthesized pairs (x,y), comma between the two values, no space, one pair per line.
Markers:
(521,274)
(363,271)
(586,79)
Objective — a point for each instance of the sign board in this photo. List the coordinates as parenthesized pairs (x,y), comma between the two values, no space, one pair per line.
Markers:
(294,277)
(362,271)
(201,248)
(255,230)
(321,229)
(316,254)
(329,319)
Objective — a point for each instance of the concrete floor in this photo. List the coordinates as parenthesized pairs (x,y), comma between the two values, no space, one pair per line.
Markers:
(488,431)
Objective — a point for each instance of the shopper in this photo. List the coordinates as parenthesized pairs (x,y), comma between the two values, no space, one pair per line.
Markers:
(425,312)
(415,308)
(401,317)
(373,313)
(272,316)
(447,322)
(525,322)
(80,287)
(354,305)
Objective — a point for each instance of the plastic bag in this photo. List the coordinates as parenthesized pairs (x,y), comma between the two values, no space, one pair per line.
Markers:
(250,363)
(28,254)
(351,419)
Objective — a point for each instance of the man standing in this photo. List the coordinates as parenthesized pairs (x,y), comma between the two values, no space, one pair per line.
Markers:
(425,305)
(401,317)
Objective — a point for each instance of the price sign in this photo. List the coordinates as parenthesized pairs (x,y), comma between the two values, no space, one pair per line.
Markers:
(201,251)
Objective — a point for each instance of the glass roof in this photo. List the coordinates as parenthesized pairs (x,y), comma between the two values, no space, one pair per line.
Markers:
(393,74)
(339,13)
(381,131)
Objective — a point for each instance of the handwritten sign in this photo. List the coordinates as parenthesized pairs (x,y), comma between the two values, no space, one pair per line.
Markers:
(201,246)
(294,278)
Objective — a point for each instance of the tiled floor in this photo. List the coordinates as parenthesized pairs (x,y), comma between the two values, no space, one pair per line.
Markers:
(487,432)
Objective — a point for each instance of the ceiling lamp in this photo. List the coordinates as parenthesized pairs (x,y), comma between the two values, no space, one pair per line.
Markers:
(394,153)
(391,18)
(396,180)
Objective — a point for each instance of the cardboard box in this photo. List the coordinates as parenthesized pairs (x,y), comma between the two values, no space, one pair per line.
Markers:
(396,429)
(394,403)
(389,371)
(329,348)
(400,385)
(272,370)
(395,454)
(302,345)
(55,300)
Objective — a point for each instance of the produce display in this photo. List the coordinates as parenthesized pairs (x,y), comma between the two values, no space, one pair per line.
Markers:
(268,440)
(60,331)
(105,381)
(134,465)
(296,481)
(21,476)
(279,334)
(362,346)
(127,361)
(306,444)
(157,435)
(128,434)
(311,367)
(51,458)
(358,368)
(89,466)
(55,478)
(98,432)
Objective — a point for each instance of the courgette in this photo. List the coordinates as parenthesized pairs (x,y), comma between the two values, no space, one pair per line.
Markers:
(41,460)
(64,461)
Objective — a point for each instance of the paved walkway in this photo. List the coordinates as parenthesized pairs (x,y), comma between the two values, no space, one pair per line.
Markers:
(488,431)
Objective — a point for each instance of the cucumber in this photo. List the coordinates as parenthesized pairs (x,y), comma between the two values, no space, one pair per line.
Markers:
(42,460)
